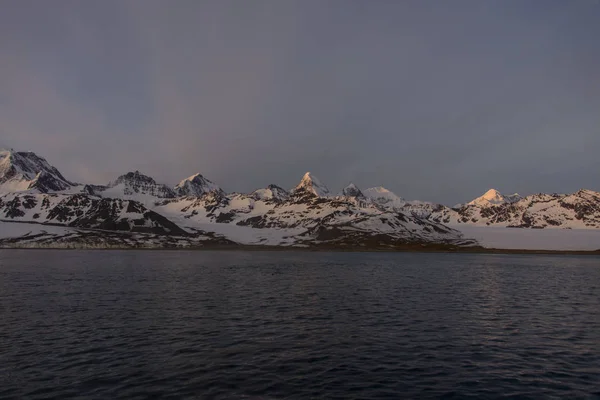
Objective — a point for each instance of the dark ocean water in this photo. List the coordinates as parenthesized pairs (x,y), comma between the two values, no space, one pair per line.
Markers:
(275,325)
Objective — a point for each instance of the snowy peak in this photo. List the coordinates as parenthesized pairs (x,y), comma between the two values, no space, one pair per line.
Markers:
(513,198)
(20,171)
(310,184)
(271,192)
(352,191)
(132,185)
(493,197)
(133,178)
(195,186)
(384,197)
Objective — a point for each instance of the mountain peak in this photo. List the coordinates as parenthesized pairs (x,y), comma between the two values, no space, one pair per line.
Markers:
(513,198)
(313,185)
(21,171)
(271,192)
(132,185)
(195,185)
(494,197)
(135,176)
(384,197)
(491,194)
(491,197)
(351,190)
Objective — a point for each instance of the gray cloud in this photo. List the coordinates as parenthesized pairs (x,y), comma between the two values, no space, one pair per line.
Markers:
(434,100)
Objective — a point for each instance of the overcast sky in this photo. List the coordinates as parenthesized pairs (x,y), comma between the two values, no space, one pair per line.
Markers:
(435,100)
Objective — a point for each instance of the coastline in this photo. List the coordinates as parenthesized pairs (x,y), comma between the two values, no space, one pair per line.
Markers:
(416,248)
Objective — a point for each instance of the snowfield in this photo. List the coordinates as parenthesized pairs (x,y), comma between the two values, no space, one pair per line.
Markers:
(15,230)
(533,239)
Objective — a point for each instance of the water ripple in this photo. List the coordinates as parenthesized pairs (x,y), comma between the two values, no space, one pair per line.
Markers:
(215,325)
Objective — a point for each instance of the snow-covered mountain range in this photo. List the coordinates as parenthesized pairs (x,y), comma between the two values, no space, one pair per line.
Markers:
(579,210)
(197,212)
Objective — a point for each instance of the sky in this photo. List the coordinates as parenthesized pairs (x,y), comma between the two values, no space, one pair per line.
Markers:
(434,100)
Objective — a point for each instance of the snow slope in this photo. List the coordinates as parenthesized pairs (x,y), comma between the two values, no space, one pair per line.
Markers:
(84,211)
(32,235)
(15,230)
(534,239)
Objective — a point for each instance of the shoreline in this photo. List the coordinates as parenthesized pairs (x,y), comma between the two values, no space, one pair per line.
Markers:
(333,249)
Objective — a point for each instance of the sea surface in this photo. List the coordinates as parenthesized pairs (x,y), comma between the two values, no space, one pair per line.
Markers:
(296,325)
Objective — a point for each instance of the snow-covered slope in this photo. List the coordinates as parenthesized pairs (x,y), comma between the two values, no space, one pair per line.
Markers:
(195,185)
(84,211)
(22,171)
(34,235)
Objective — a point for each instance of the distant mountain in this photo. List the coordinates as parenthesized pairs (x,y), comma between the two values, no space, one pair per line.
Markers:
(580,210)
(352,191)
(384,197)
(493,197)
(136,186)
(195,185)
(271,192)
(23,171)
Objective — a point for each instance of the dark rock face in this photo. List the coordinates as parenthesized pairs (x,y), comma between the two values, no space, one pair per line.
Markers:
(12,209)
(224,218)
(302,195)
(213,201)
